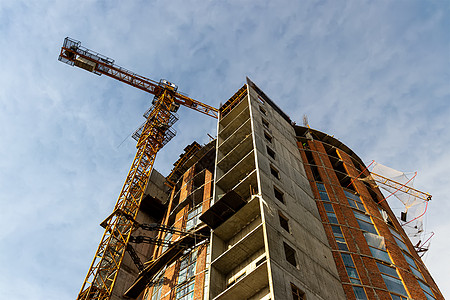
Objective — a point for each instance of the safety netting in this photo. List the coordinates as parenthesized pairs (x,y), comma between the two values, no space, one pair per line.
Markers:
(408,204)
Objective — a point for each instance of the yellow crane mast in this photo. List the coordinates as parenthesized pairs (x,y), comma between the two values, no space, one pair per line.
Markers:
(152,136)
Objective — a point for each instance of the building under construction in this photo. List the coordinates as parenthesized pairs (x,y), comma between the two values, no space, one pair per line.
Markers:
(267,210)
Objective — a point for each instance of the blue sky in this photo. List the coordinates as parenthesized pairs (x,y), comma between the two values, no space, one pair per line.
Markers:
(374,74)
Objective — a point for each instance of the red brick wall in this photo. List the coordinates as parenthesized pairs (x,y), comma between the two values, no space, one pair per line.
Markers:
(365,265)
(200,273)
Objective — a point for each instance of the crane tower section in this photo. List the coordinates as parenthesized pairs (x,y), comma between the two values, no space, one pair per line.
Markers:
(151,137)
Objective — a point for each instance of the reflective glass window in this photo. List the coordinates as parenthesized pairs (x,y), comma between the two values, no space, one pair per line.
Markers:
(328,207)
(380,254)
(350,267)
(413,266)
(321,187)
(426,289)
(185,291)
(354,200)
(187,267)
(394,284)
(193,217)
(332,218)
(399,240)
(359,293)
(339,237)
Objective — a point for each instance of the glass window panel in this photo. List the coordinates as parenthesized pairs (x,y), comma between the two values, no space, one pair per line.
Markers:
(380,254)
(417,273)
(353,203)
(388,270)
(342,246)
(193,217)
(397,297)
(324,196)
(321,186)
(355,281)
(328,207)
(394,285)
(360,206)
(359,293)
(395,233)
(332,218)
(374,240)
(367,226)
(425,287)
(429,297)
(337,231)
(410,261)
(362,216)
(348,194)
(352,272)
(401,244)
(185,291)
(348,261)
(413,265)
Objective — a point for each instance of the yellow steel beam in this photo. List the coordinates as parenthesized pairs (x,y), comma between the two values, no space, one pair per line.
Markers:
(400,187)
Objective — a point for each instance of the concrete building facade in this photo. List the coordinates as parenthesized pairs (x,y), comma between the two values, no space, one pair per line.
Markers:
(272,210)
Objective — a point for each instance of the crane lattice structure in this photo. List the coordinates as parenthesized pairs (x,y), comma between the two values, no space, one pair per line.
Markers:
(400,187)
(152,136)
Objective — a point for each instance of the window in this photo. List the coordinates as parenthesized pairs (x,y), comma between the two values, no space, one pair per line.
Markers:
(159,279)
(278,194)
(394,284)
(262,110)
(380,254)
(322,192)
(284,222)
(399,240)
(330,213)
(268,137)
(391,279)
(274,172)
(321,187)
(187,267)
(413,266)
(167,241)
(265,123)
(332,218)
(270,152)
(259,262)
(260,99)
(364,222)
(354,200)
(193,217)
(339,237)
(297,294)
(235,279)
(397,297)
(328,207)
(426,289)
(350,267)
(359,293)
(185,291)
(290,254)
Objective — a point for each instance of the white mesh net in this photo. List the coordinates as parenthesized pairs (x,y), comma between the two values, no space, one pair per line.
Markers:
(399,185)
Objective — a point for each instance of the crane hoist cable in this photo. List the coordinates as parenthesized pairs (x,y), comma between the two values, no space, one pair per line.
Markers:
(152,136)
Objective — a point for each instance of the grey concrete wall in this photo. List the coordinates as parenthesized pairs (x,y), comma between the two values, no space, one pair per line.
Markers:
(315,265)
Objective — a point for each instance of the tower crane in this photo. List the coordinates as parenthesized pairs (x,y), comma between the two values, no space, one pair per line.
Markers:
(151,137)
